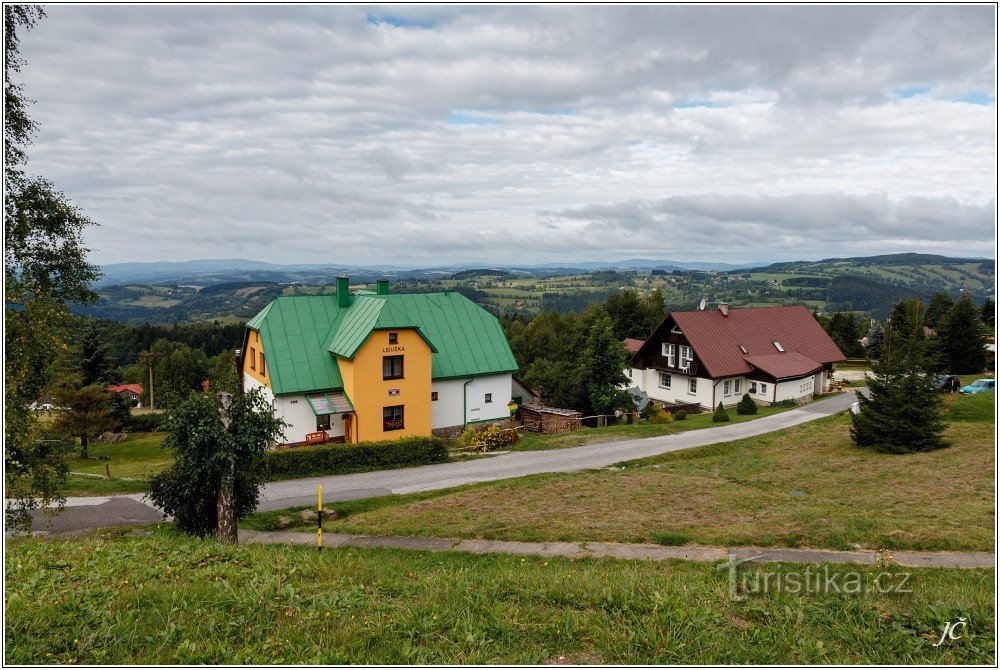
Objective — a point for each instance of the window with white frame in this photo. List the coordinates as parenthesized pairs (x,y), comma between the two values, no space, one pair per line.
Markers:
(763,388)
(736,385)
(665,380)
(727,387)
(668,353)
(753,387)
(687,355)
(777,345)
(693,385)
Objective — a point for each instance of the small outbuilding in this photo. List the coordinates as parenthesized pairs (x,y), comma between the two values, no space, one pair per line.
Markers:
(548,420)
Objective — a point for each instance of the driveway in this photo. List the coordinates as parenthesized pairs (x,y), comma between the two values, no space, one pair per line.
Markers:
(83,513)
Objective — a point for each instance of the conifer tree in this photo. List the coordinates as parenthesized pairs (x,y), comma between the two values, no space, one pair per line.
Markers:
(902,412)
(720,414)
(746,405)
(961,333)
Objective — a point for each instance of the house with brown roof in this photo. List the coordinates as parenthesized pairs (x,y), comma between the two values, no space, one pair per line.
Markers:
(708,356)
(131,391)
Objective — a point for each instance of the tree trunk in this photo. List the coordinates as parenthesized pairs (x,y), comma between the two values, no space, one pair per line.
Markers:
(83,446)
(226,514)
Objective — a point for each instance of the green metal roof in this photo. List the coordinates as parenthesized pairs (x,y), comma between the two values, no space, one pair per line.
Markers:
(366,315)
(302,335)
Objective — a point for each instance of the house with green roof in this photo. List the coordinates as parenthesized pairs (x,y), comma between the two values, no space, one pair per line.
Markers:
(376,365)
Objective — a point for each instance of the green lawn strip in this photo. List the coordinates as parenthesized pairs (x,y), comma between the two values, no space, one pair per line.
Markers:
(164,599)
(977,408)
(131,463)
(625,431)
(806,486)
(77,485)
(139,456)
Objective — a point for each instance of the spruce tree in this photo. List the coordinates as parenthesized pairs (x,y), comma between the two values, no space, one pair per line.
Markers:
(962,343)
(902,412)
(96,364)
(940,304)
(720,414)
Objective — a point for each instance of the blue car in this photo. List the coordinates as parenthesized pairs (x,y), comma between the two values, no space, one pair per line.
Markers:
(979,386)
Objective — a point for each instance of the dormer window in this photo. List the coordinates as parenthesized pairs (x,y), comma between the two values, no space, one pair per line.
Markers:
(777,345)
(668,353)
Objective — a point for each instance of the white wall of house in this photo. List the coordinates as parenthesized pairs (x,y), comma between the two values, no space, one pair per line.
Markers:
(446,411)
(299,416)
(793,389)
(679,390)
(295,411)
(251,383)
(732,392)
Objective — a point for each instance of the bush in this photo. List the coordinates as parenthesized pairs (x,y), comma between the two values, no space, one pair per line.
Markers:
(649,410)
(661,416)
(680,415)
(145,423)
(720,414)
(489,437)
(331,459)
(746,405)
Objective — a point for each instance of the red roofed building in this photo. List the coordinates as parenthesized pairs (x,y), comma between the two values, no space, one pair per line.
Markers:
(708,356)
(133,391)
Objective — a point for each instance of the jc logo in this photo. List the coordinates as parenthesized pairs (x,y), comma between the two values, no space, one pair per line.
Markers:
(951,631)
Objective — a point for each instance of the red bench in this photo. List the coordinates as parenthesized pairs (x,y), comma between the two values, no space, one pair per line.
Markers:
(319,437)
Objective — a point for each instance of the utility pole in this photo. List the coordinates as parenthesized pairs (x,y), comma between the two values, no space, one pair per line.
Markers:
(149,356)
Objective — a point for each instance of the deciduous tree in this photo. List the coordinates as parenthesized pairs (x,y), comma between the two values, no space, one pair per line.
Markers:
(44,267)
(217,447)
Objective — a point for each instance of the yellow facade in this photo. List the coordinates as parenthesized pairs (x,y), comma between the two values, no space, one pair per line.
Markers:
(254,360)
(371,394)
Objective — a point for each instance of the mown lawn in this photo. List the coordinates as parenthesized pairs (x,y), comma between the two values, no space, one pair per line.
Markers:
(138,457)
(581,436)
(163,599)
(805,486)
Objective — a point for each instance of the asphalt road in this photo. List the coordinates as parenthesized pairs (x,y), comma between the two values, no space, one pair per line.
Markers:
(94,512)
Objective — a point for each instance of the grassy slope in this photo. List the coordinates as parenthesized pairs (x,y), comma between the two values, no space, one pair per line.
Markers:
(737,493)
(138,457)
(163,599)
(576,438)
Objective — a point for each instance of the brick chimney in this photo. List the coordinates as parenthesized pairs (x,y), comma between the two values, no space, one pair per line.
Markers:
(724,308)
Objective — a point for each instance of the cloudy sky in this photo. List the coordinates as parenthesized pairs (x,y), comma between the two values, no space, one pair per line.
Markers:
(426,135)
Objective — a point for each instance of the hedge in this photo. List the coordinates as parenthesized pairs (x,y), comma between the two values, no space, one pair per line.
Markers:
(145,423)
(332,459)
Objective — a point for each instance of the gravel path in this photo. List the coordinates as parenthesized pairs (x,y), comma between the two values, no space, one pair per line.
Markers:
(645,552)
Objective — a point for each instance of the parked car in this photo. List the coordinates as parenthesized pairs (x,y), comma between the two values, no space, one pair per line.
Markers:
(979,386)
(947,383)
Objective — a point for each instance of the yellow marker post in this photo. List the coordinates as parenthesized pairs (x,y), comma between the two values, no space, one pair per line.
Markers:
(319,518)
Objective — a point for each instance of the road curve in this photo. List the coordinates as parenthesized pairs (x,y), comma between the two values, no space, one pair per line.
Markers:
(278,495)
(91,512)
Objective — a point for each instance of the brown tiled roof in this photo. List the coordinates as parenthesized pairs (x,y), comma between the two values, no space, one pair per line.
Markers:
(134,388)
(785,366)
(633,345)
(717,339)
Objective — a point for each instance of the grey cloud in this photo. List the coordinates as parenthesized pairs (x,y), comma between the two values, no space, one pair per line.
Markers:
(311,133)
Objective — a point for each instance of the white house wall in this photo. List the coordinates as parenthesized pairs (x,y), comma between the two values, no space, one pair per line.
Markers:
(446,411)
(794,389)
(296,412)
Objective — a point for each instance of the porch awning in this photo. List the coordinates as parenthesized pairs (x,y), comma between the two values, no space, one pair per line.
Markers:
(335,402)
